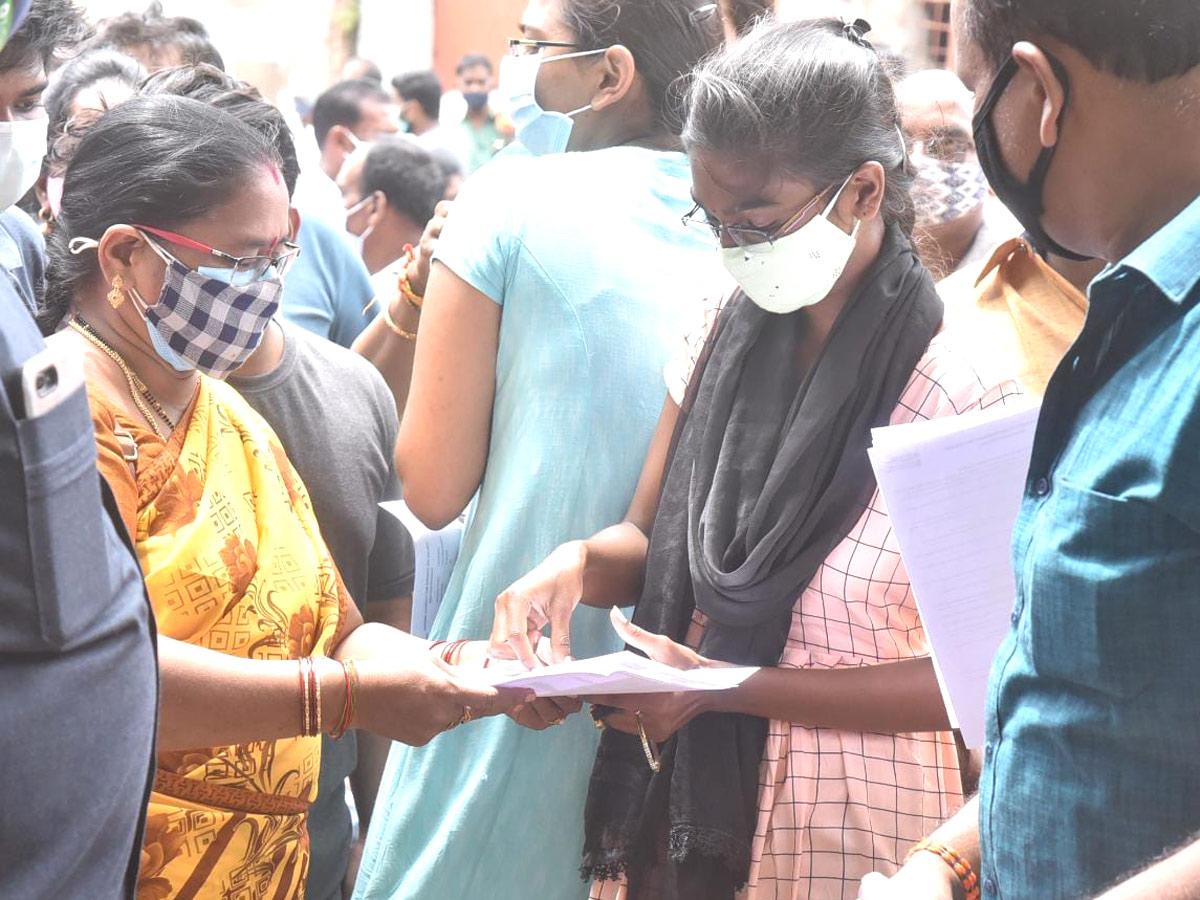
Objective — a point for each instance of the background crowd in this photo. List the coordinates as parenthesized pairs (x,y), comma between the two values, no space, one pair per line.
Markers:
(627,302)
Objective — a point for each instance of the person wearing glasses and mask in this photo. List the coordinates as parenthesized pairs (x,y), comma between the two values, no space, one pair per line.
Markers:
(757,535)
(560,280)
(258,637)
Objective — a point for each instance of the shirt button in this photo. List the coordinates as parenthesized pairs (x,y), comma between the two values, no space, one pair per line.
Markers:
(1015,618)
(988,752)
(1041,487)
(989,887)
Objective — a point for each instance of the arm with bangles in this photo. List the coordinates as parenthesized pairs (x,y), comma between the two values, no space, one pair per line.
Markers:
(405,691)
(389,341)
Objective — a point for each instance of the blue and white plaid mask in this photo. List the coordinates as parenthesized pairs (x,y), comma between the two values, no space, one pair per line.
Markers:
(205,322)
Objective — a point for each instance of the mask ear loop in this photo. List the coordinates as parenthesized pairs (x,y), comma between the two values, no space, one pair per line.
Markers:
(581,53)
(833,203)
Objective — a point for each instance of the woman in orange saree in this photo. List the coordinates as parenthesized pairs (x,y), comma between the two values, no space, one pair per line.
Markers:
(238,575)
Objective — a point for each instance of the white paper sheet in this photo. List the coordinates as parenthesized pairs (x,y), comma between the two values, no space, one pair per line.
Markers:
(436,553)
(953,489)
(616,673)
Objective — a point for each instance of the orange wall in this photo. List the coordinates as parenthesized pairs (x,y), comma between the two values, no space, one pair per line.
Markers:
(472,26)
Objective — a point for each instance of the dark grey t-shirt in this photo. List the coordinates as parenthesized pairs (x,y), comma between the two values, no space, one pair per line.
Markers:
(336,419)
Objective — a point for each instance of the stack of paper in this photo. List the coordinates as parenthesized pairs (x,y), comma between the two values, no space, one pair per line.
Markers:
(953,489)
(616,673)
(436,553)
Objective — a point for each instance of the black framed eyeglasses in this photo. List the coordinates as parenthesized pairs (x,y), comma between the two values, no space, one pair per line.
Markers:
(751,240)
(525,47)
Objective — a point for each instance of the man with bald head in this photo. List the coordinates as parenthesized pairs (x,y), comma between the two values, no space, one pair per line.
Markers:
(959,223)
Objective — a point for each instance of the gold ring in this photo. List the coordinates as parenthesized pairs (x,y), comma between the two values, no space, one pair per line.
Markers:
(652,757)
(466,717)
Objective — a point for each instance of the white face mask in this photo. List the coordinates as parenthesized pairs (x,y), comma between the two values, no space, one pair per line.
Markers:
(539,131)
(22,148)
(358,241)
(800,270)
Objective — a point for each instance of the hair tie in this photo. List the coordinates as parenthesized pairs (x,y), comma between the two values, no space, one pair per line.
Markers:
(79,244)
(855,31)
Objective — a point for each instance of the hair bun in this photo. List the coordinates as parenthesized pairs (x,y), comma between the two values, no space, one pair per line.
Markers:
(856,31)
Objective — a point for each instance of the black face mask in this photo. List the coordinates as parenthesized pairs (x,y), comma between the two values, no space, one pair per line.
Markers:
(1025,201)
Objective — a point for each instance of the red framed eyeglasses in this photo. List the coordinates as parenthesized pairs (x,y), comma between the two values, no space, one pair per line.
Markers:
(246,269)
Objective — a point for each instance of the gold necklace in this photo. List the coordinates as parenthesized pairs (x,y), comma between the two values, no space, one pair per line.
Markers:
(137,388)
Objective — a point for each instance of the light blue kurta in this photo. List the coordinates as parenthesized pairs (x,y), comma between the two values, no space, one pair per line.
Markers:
(598,279)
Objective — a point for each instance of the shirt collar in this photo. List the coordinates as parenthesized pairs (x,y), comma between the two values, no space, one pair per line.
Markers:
(1170,258)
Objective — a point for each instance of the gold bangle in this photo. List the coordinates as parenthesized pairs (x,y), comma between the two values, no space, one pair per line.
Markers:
(317,713)
(652,757)
(408,293)
(305,700)
(396,329)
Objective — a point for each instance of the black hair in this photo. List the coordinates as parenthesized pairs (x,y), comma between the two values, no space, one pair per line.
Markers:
(371,70)
(342,105)
(240,99)
(152,32)
(411,179)
(667,38)
(471,60)
(51,27)
(84,71)
(423,87)
(745,14)
(811,98)
(154,160)
(1146,40)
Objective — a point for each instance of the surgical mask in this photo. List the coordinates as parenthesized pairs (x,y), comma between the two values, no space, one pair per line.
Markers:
(358,241)
(946,191)
(201,320)
(22,148)
(799,269)
(1025,201)
(539,131)
(476,100)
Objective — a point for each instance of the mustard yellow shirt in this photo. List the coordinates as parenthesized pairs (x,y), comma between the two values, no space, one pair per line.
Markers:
(1017,314)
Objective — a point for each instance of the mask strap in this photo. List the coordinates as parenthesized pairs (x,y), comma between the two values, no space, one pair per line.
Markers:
(837,196)
(576,112)
(80,244)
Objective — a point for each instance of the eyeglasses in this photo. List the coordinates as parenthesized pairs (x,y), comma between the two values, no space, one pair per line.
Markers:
(754,241)
(523,47)
(246,269)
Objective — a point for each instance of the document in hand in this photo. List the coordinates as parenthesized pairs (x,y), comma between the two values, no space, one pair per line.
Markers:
(616,673)
(953,489)
(436,553)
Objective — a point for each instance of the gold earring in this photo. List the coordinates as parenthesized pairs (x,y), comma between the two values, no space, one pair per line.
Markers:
(117,295)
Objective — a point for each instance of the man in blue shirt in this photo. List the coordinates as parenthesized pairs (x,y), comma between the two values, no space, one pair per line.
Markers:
(1088,122)
(78,676)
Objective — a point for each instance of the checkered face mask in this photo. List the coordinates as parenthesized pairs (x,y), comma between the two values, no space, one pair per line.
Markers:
(946,191)
(204,320)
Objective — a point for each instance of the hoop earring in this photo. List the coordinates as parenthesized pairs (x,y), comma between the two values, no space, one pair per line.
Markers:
(117,295)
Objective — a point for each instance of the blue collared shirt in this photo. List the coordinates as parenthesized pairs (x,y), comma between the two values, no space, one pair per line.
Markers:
(1092,766)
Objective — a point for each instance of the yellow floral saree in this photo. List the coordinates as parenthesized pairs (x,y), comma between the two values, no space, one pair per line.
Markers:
(234,562)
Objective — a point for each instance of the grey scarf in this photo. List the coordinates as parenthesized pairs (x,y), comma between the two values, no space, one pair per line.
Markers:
(767,473)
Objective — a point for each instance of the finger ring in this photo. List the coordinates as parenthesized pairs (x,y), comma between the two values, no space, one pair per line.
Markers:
(652,757)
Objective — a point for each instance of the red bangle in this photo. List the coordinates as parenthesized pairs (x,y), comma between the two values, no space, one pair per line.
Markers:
(350,671)
(967,875)
(453,649)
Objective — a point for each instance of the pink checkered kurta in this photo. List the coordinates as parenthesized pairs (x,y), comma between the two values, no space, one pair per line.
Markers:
(835,805)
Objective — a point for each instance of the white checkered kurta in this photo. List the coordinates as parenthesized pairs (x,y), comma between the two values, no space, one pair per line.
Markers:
(835,805)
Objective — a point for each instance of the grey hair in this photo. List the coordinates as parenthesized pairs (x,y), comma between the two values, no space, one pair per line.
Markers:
(803,98)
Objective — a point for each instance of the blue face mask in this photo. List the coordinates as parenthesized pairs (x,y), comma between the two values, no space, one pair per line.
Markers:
(541,132)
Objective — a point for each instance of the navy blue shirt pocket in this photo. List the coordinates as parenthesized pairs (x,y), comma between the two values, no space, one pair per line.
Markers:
(65,548)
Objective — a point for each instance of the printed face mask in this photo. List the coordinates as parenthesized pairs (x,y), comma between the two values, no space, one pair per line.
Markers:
(800,269)
(946,191)
(201,320)
(22,147)
(540,132)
